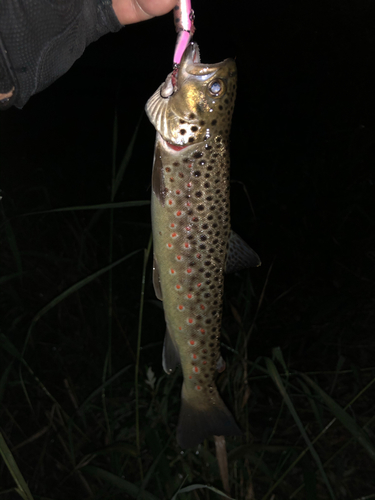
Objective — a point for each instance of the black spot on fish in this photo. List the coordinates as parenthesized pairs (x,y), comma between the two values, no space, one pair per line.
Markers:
(182,131)
(214,122)
(200,207)
(191,116)
(191,139)
(197,173)
(194,129)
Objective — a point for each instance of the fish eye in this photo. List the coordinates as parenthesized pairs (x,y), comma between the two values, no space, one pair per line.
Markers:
(217,87)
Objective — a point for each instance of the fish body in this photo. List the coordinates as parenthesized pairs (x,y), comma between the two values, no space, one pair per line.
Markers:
(192,114)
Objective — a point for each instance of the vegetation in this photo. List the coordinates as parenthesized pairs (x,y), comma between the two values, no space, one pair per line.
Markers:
(86,411)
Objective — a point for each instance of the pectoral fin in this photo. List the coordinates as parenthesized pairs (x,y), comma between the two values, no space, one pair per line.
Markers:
(171,357)
(220,365)
(240,255)
(158,185)
(156,280)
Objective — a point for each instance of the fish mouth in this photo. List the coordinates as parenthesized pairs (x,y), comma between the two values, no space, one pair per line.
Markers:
(190,57)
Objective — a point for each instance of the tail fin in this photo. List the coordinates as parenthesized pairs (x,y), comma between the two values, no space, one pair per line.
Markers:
(200,418)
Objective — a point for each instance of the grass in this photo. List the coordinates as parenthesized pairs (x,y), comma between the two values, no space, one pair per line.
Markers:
(87,412)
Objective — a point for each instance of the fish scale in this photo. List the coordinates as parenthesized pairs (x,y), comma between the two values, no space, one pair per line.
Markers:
(192,113)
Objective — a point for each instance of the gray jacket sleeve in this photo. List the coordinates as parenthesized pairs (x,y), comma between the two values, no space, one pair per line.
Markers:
(41,39)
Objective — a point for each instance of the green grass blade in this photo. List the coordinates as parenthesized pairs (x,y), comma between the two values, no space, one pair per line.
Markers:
(3,381)
(72,289)
(152,467)
(12,242)
(192,487)
(126,159)
(145,260)
(121,484)
(313,403)
(9,277)
(11,464)
(99,389)
(274,374)
(101,206)
(346,420)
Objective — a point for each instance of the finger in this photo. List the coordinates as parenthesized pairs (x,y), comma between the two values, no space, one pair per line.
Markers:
(134,11)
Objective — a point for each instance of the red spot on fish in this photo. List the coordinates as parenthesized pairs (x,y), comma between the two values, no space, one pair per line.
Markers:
(189,184)
(171,179)
(172,225)
(190,165)
(178,213)
(194,356)
(199,284)
(178,257)
(190,377)
(178,191)
(204,362)
(188,204)
(191,342)
(188,228)
(198,256)
(180,327)
(196,369)
(203,331)
(178,287)
(203,307)
(188,270)
(170,202)
(186,245)
(172,271)
(189,295)
(174,235)
(169,245)
(198,387)
(190,320)
(181,307)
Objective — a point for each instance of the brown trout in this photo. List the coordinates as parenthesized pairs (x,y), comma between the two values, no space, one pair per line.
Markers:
(192,113)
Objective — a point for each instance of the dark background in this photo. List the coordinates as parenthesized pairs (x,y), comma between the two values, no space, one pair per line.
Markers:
(302,144)
(302,140)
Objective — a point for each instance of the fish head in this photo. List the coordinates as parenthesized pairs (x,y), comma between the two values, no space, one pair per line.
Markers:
(195,102)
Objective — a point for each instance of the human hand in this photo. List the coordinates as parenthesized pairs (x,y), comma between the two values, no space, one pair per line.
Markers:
(134,11)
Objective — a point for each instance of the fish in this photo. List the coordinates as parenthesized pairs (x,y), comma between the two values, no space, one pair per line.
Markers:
(193,242)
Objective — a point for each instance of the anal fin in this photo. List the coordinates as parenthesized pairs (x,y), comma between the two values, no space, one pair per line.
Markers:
(156,280)
(240,255)
(171,357)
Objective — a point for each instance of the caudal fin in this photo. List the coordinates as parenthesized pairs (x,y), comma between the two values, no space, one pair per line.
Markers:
(202,418)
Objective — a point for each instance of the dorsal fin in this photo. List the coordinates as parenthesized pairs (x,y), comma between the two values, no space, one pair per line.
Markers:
(240,255)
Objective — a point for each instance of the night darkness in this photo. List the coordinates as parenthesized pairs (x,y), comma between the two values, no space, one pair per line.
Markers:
(302,146)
